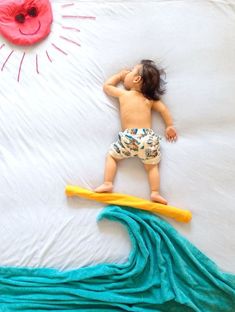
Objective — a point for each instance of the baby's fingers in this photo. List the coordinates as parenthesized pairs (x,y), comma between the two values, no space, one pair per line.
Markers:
(171,138)
(175,137)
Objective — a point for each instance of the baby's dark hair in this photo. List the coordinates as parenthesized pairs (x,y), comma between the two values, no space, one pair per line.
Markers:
(152,82)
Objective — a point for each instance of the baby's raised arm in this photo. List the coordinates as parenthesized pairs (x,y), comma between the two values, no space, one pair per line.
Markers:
(110,85)
(170,131)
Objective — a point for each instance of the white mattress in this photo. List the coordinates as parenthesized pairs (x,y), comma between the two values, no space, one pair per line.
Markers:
(56,127)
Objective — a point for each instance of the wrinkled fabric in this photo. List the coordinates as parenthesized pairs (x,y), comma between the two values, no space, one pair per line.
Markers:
(164,273)
(56,125)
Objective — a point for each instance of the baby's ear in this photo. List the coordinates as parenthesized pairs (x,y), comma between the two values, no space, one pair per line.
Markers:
(137,79)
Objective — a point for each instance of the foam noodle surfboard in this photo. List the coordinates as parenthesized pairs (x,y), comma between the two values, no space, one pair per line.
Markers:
(130,201)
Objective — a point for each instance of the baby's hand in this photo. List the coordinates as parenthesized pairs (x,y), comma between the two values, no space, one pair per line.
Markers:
(171,134)
(123,73)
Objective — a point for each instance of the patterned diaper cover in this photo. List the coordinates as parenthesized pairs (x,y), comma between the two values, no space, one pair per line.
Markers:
(143,143)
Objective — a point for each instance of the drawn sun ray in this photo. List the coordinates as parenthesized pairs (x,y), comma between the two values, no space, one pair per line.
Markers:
(7,60)
(48,56)
(37,70)
(69,40)
(25,23)
(79,16)
(67,5)
(59,49)
(71,28)
(19,71)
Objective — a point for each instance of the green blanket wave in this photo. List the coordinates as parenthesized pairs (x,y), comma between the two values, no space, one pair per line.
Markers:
(164,272)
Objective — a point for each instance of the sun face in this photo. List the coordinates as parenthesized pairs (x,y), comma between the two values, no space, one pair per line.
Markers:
(27,22)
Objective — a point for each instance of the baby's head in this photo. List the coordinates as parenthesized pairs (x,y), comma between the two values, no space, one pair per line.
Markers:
(146,78)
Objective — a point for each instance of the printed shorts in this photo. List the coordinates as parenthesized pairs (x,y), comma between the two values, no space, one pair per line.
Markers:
(143,143)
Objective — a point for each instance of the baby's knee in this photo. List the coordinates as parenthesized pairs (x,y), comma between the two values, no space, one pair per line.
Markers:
(149,167)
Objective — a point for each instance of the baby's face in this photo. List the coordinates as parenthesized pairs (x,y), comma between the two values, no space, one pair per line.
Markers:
(132,77)
(25,22)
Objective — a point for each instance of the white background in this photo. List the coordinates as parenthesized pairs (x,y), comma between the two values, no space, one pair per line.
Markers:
(56,127)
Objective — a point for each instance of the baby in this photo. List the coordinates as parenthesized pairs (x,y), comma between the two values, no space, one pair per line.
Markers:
(143,88)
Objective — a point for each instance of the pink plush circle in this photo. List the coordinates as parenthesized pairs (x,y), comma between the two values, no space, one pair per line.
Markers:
(25,22)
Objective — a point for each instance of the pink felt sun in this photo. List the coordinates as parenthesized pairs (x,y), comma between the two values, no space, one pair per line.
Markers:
(25,22)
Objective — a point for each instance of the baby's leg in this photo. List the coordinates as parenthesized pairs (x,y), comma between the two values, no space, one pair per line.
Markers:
(154,182)
(109,175)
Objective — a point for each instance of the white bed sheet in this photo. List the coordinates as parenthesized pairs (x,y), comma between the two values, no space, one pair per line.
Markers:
(56,127)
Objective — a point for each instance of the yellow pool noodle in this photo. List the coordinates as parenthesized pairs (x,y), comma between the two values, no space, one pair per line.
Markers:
(130,201)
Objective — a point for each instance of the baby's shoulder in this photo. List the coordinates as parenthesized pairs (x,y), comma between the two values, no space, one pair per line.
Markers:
(147,102)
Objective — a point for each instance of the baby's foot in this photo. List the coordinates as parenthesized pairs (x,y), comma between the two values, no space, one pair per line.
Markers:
(106,187)
(155,197)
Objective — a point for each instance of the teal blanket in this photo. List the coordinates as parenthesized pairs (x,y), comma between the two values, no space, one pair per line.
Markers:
(164,272)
